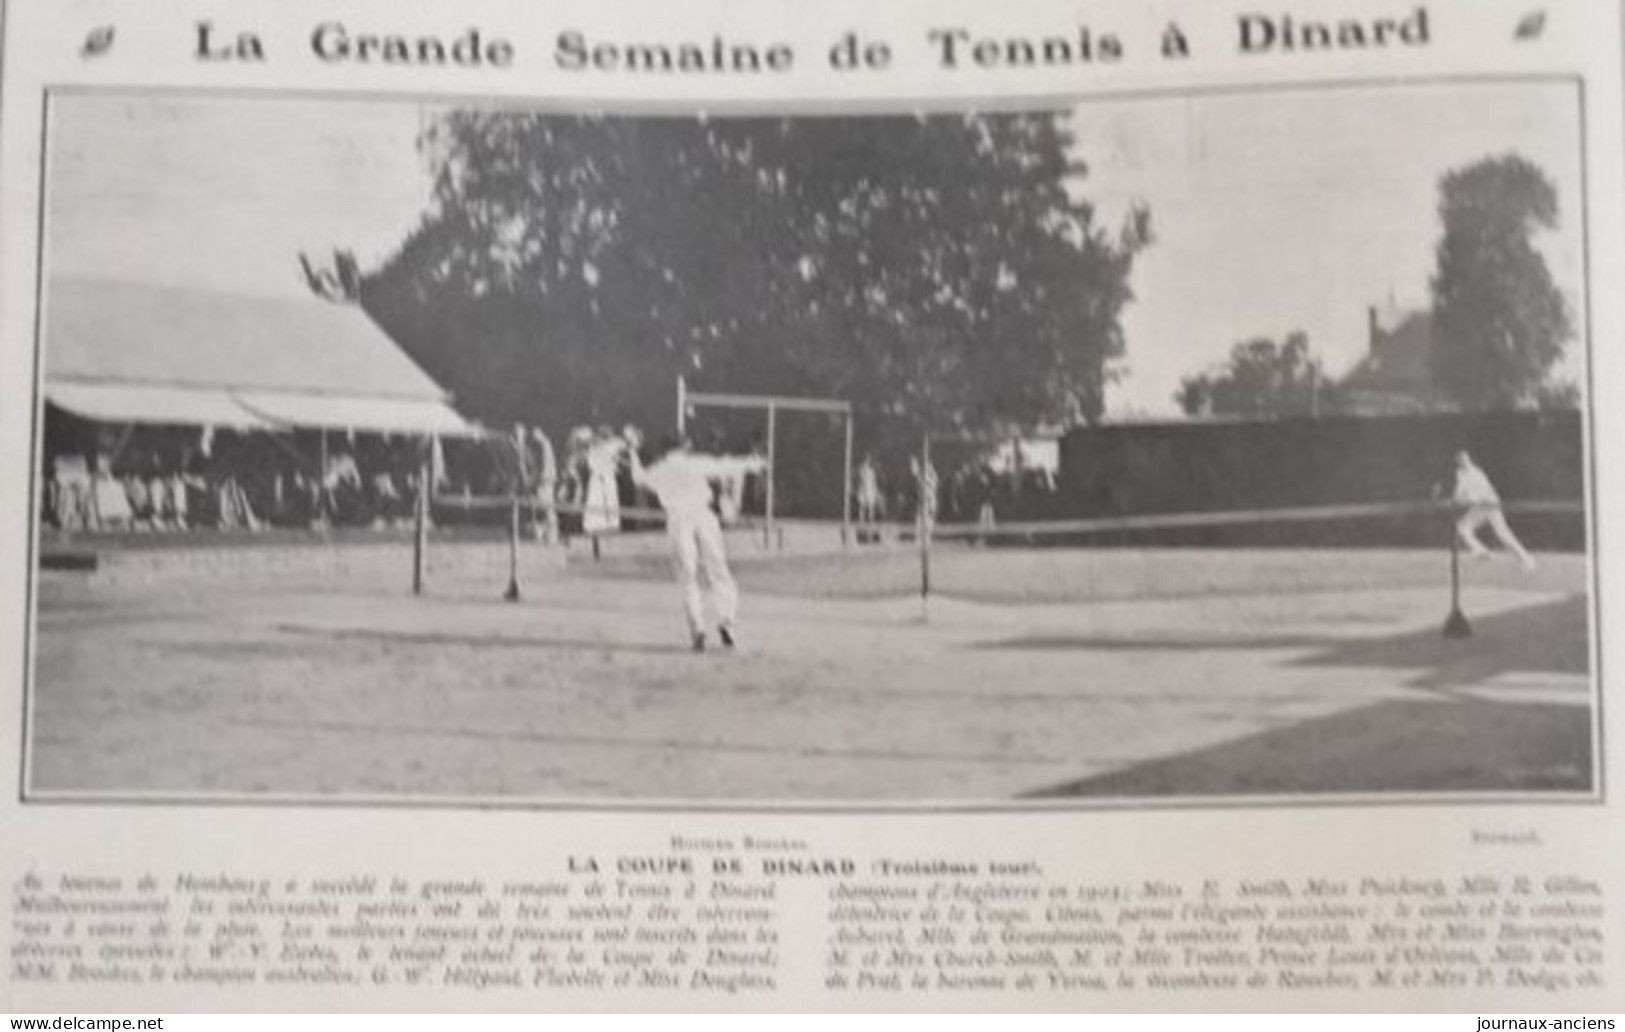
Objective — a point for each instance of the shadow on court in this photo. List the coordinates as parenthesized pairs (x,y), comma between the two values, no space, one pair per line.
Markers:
(483,641)
(1444,739)
(1391,746)
(1152,643)
(1550,637)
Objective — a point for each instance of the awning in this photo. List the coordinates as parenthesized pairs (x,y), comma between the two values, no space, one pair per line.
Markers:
(358,412)
(257,410)
(141,403)
(166,354)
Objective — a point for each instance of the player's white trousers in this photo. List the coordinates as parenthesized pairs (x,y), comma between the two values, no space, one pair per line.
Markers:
(1468,525)
(697,551)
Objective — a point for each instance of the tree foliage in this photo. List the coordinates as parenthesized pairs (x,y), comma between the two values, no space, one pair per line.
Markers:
(1261,379)
(940,270)
(1500,324)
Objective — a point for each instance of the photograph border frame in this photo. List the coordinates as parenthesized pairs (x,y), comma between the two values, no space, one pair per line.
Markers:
(1596,796)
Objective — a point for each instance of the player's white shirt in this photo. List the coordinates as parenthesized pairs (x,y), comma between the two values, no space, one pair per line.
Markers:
(1473,487)
(682,480)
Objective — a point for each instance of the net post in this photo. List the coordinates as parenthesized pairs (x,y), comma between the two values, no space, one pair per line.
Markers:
(323,496)
(922,528)
(1456,624)
(772,421)
(420,515)
(512,594)
(682,405)
(846,486)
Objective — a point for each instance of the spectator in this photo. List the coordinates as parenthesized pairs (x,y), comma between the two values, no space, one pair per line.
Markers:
(871,501)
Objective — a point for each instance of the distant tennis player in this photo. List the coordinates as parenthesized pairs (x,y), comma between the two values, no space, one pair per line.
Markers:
(682,481)
(1480,506)
(869,498)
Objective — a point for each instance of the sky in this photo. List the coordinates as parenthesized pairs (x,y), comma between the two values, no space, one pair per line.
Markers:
(1297,211)
(1273,212)
(226,193)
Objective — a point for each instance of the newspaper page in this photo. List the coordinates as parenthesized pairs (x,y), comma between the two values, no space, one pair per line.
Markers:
(768,506)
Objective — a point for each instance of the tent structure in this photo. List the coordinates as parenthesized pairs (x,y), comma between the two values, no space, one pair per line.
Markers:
(125,352)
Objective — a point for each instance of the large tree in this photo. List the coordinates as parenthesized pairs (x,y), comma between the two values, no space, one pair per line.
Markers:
(1261,379)
(940,270)
(1499,322)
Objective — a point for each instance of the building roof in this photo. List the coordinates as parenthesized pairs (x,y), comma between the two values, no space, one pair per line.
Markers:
(1396,376)
(113,347)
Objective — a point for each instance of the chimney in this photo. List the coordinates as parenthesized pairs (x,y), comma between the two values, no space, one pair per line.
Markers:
(1372,328)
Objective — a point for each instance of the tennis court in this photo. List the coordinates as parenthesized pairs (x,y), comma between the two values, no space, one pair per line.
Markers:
(1032,673)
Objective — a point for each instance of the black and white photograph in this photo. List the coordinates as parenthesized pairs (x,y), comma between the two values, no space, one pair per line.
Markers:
(1224,446)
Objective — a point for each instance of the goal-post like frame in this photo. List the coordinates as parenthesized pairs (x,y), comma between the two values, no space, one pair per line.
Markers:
(772,405)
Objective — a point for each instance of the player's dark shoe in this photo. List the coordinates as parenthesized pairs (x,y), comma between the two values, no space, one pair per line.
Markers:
(727,636)
(699,643)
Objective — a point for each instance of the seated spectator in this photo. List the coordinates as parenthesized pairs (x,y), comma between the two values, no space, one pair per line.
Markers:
(235,508)
(297,499)
(149,493)
(197,501)
(174,501)
(343,491)
(388,502)
(72,492)
(110,506)
(139,500)
(49,512)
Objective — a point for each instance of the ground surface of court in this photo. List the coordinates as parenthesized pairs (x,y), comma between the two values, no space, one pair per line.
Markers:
(1039,673)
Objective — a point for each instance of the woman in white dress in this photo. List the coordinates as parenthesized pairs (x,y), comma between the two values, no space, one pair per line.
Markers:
(603,505)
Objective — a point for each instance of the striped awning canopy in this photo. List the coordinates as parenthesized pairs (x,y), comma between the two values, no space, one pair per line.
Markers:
(142,353)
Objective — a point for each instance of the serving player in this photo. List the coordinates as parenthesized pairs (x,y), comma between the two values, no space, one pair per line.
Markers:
(682,481)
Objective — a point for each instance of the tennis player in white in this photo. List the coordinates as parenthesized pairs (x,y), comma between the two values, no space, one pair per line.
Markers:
(1480,506)
(682,481)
